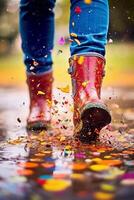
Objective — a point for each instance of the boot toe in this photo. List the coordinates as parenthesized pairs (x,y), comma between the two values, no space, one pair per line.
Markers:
(94,117)
(96,114)
(38,125)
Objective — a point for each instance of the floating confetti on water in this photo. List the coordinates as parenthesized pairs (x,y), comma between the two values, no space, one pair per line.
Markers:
(79,166)
(113,173)
(107,187)
(128,152)
(103,196)
(18,179)
(128,175)
(80,155)
(96,153)
(25,172)
(48,165)
(127,182)
(77,176)
(36,160)
(59,175)
(97,160)
(41,181)
(110,162)
(45,177)
(55,185)
(40,154)
(88,160)
(107,157)
(99,167)
(62,138)
(28,165)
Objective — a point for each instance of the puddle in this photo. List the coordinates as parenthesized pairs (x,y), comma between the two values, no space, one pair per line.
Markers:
(54,166)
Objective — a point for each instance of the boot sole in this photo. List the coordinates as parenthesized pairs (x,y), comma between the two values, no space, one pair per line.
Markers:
(38,126)
(94,117)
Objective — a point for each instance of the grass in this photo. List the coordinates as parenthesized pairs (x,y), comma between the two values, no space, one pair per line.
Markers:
(119,67)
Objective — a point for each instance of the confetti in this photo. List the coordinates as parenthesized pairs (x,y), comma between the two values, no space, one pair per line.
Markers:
(55,185)
(40,154)
(128,175)
(99,168)
(41,181)
(46,177)
(49,102)
(79,166)
(35,63)
(61,41)
(107,157)
(65,89)
(110,162)
(103,196)
(88,1)
(77,41)
(48,165)
(110,41)
(28,165)
(18,179)
(127,182)
(77,10)
(84,84)
(63,138)
(81,60)
(25,172)
(40,92)
(36,160)
(73,23)
(59,52)
(74,35)
(19,120)
(77,176)
(15,141)
(107,187)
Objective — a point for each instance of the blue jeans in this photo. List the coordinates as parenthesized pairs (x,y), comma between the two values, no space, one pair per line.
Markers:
(37,30)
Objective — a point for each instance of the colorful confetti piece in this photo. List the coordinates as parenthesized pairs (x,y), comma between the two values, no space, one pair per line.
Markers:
(56,185)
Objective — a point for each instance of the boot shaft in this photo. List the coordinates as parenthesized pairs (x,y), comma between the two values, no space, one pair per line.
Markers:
(40,86)
(87,73)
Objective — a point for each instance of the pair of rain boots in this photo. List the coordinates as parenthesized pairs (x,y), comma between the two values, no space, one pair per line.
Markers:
(90,112)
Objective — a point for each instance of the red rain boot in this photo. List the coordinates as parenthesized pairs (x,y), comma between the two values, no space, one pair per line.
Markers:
(40,90)
(90,112)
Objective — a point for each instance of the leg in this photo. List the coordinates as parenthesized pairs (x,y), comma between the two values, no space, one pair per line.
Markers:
(90,25)
(89,28)
(37,33)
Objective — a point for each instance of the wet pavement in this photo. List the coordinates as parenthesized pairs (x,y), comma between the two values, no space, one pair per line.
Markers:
(52,165)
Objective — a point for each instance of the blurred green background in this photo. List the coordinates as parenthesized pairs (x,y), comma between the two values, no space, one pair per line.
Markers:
(120,48)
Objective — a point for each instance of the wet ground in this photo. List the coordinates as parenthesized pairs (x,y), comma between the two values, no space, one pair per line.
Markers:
(52,165)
